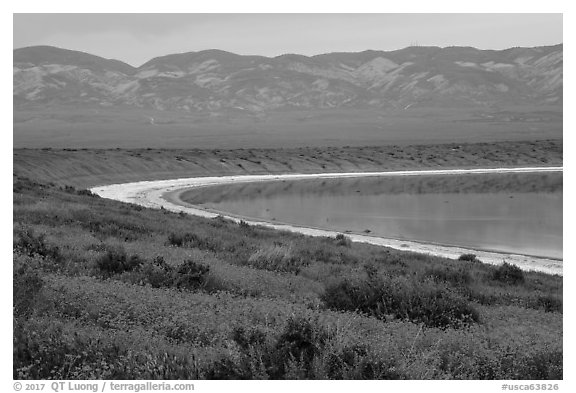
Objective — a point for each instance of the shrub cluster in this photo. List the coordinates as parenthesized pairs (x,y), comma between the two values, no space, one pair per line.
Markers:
(509,274)
(401,298)
(342,240)
(548,303)
(468,257)
(71,190)
(192,240)
(304,349)
(157,273)
(115,261)
(28,243)
(288,357)
(190,275)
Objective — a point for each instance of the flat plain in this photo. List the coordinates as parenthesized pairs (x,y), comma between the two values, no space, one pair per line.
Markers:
(127,127)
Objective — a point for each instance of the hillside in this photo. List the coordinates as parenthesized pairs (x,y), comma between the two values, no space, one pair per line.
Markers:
(214,80)
(87,168)
(210,99)
(109,290)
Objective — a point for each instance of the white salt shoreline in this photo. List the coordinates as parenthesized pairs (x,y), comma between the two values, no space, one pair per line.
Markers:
(152,194)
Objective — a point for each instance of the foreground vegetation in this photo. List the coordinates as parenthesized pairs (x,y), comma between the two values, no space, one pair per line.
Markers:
(109,290)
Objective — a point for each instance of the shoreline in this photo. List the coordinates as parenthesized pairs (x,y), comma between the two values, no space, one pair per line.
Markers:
(175,198)
(164,194)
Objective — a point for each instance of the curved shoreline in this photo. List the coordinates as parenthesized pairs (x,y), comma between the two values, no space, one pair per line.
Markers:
(157,194)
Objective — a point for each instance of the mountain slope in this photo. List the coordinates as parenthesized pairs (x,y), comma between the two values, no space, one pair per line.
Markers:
(215,81)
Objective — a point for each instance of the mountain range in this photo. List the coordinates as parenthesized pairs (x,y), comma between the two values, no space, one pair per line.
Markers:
(215,81)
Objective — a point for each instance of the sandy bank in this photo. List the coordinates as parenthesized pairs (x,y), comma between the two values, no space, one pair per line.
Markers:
(156,194)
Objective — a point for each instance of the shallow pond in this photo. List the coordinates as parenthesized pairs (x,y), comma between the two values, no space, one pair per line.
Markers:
(517,213)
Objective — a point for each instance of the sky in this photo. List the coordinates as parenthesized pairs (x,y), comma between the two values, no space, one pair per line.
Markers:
(137,38)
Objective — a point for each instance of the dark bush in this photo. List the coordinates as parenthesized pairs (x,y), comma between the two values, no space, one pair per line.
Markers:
(191,275)
(301,339)
(87,193)
(176,239)
(193,240)
(72,190)
(157,273)
(299,343)
(339,363)
(28,243)
(115,261)
(244,225)
(248,338)
(548,303)
(343,241)
(356,362)
(68,189)
(467,257)
(290,356)
(415,301)
(509,274)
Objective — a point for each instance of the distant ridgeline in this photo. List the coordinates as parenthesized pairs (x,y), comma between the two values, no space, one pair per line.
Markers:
(215,81)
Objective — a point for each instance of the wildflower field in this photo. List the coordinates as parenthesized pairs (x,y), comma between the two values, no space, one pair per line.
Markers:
(108,290)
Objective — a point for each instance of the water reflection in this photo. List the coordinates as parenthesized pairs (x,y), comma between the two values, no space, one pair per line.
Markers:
(519,213)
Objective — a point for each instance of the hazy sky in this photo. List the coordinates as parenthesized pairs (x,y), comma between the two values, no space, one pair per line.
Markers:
(136,38)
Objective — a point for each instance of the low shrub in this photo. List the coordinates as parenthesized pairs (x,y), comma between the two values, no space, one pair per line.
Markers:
(116,261)
(157,273)
(191,275)
(304,349)
(244,225)
(289,356)
(248,338)
(402,299)
(509,274)
(357,362)
(87,193)
(468,257)
(302,339)
(28,243)
(548,303)
(343,241)
(192,240)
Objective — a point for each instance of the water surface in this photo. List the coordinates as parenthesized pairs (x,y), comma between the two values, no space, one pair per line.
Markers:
(517,213)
